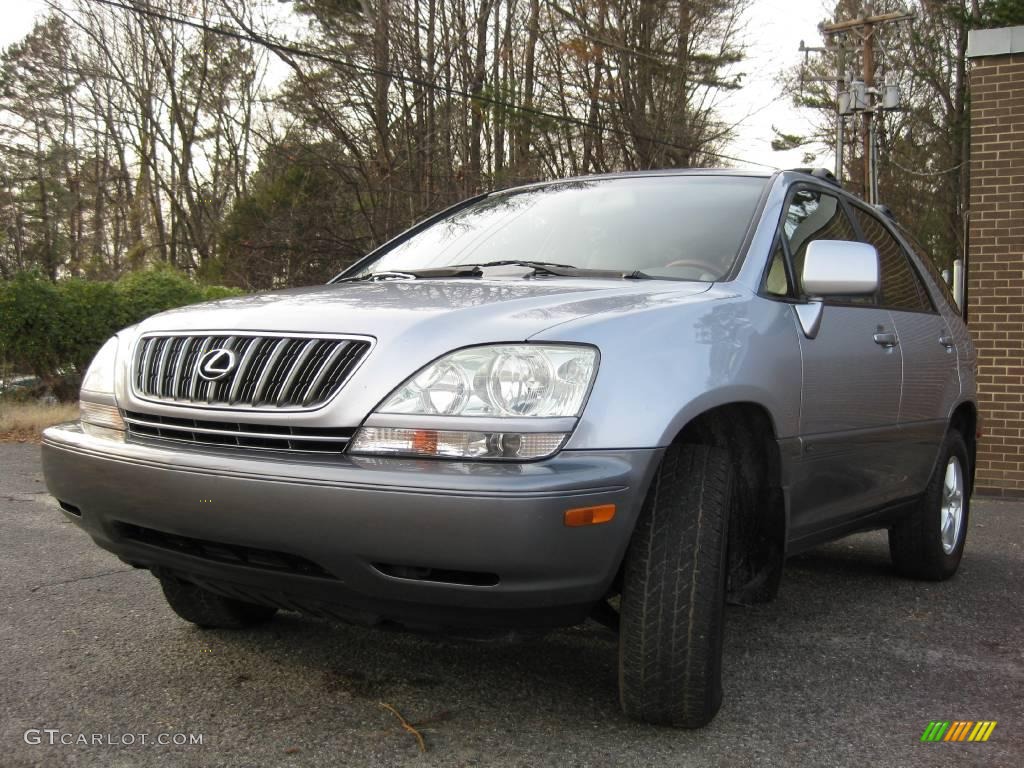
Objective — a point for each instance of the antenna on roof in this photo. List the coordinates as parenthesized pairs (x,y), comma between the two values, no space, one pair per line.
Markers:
(820,173)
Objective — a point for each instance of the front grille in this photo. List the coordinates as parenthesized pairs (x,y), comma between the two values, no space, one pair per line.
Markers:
(270,437)
(289,372)
(234,554)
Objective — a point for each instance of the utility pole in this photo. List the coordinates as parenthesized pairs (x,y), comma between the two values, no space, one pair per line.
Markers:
(840,122)
(861,94)
(840,50)
(867,134)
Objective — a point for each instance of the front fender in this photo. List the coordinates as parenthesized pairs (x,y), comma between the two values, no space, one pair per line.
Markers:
(664,364)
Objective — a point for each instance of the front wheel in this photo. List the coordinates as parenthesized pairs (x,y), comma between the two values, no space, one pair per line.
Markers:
(209,610)
(673,592)
(929,542)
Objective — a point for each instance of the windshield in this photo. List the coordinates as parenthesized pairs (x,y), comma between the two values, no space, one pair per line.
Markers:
(681,227)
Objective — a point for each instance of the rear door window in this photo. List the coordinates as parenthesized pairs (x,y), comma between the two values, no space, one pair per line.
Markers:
(925,260)
(901,287)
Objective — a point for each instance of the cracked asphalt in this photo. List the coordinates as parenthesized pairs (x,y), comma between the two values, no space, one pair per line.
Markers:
(847,667)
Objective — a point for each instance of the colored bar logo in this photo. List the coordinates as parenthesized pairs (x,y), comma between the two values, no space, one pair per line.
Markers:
(958,730)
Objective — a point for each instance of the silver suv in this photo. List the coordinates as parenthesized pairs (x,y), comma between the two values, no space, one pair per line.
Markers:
(625,397)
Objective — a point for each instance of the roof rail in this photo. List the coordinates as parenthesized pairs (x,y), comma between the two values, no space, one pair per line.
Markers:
(820,173)
(885,210)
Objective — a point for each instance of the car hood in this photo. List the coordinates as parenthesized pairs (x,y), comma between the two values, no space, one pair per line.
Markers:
(413,322)
(460,312)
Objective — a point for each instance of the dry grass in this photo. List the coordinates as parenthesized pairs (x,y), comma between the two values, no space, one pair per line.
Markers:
(26,421)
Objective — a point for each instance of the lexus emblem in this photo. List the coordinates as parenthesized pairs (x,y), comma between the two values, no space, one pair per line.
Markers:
(216,364)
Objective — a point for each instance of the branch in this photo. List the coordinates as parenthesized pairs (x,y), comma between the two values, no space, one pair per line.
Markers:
(406,725)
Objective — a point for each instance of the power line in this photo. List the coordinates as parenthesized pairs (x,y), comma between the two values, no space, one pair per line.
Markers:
(288,47)
(912,172)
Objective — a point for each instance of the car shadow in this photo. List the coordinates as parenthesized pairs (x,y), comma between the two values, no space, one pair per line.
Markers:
(437,674)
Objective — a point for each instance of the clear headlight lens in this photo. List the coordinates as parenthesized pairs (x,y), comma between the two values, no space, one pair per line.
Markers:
(99,377)
(97,392)
(499,381)
(101,415)
(502,380)
(452,444)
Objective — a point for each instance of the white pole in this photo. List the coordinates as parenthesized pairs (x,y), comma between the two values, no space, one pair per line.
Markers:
(958,283)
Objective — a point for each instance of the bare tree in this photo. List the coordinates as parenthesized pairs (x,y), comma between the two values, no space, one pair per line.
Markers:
(144,131)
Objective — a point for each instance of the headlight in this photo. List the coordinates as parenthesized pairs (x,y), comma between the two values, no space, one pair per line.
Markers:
(483,389)
(96,400)
(507,380)
(99,377)
(455,444)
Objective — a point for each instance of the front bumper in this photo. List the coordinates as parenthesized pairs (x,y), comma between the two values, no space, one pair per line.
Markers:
(473,545)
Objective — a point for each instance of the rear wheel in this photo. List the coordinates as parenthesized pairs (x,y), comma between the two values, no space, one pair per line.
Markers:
(673,594)
(209,610)
(929,542)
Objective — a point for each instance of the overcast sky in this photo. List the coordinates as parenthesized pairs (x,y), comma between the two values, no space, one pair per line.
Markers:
(774,29)
(773,33)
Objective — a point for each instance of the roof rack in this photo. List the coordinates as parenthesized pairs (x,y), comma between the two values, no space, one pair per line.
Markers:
(885,210)
(820,173)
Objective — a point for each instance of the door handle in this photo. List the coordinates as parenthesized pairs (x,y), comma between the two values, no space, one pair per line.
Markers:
(887,340)
(946,341)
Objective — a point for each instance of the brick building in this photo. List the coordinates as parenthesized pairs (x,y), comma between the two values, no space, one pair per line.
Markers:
(996,253)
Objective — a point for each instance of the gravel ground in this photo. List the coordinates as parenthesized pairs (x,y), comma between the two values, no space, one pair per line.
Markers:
(845,668)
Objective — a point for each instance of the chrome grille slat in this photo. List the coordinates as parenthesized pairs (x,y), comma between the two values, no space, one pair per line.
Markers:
(273,371)
(268,368)
(140,354)
(258,363)
(242,370)
(193,389)
(309,369)
(296,368)
(223,434)
(322,373)
(235,432)
(152,379)
(281,368)
(147,355)
(186,342)
(336,374)
(161,368)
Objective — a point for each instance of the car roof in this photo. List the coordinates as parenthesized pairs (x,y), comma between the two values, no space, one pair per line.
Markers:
(740,172)
(789,176)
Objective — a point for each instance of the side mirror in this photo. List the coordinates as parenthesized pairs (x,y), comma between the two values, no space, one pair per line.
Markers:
(840,268)
(834,268)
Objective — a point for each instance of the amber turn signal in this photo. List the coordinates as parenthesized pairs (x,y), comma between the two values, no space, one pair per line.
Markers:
(589,515)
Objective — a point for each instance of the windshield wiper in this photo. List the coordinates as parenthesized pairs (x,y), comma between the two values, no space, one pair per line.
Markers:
(413,274)
(370,276)
(566,270)
(477,270)
(464,270)
(544,267)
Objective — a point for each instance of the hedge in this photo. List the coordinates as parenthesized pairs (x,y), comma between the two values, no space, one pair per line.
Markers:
(53,330)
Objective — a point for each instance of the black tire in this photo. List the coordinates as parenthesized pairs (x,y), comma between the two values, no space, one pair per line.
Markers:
(673,592)
(209,610)
(915,541)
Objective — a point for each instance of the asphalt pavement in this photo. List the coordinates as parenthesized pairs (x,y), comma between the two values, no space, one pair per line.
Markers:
(846,668)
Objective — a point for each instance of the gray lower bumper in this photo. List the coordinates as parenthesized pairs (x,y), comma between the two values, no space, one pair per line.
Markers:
(350,516)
